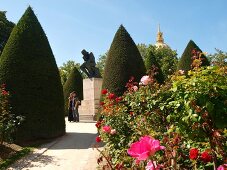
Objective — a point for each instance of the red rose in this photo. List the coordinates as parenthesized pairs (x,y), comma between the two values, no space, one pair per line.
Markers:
(98,139)
(98,124)
(102,103)
(118,99)
(119,166)
(131,113)
(205,157)
(111,96)
(193,154)
(104,91)
(4,92)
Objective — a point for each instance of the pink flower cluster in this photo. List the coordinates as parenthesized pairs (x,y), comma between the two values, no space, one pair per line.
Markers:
(145,80)
(222,167)
(107,129)
(152,165)
(145,147)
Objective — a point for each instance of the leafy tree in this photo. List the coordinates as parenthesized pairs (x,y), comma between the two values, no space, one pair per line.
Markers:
(29,69)
(153,66)
(101,63)
(167,59)
(186,58)
(5,29)
(73,83)
(219,58)
(66,69)
(143,49)
(123,61)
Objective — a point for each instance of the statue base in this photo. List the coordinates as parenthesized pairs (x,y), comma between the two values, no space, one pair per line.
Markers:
(89,106)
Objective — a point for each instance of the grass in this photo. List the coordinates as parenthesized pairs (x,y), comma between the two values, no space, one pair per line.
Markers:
(19,154)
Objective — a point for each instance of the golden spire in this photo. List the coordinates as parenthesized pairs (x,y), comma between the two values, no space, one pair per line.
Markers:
(159,38)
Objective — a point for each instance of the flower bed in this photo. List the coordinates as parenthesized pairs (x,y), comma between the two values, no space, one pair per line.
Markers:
(178,125)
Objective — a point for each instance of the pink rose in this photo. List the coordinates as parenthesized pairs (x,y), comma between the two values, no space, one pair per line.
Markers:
(152,165)
(144,148)
(222,167)
(145,80)
(106,129)
(113,131)
(135,88)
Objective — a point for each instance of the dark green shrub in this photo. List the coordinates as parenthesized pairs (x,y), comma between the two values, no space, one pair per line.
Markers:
(73,83)
(123,61)
(29,69)
(153,66)
(5,29)
(186,58)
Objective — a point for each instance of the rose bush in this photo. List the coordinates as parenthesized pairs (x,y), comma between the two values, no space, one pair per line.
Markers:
(8,121)
(186,115)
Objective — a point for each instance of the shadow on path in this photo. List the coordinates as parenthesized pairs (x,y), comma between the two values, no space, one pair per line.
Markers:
(74,140)
(35,160)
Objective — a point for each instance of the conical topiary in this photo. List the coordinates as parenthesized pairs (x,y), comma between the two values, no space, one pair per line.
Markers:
(153,66)
(186,58)
(73,83)
(123,61)
(29,69)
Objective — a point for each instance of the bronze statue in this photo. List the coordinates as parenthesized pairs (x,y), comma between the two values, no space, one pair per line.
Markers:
(88,67)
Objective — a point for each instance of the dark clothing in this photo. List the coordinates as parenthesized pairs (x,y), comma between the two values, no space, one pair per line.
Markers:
(73,114)
(70,113)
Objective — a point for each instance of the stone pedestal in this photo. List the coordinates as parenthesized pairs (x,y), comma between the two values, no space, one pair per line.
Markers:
(91,92)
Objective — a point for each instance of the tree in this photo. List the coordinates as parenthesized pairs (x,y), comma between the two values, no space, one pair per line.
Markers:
(123,61)
(101,63)
(219,58)
(153,66)
(167,59)
(73,83)
(6,27)
(143,49)
(29,69)
(66,69)
(186,58)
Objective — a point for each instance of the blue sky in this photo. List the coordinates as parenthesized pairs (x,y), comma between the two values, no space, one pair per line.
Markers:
(73,25)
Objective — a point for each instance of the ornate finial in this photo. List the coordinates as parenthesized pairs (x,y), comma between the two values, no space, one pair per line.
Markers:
(159,39)
(159,28)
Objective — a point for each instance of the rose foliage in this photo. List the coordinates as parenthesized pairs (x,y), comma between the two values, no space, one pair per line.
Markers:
(181,124)
(8,121)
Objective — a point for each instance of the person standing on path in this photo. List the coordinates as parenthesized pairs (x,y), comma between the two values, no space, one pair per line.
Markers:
(76,103)
(70,108)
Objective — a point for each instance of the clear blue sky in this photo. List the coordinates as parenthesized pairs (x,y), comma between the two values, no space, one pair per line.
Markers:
(73,25)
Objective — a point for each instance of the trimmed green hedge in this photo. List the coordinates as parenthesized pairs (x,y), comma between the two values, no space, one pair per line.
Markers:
(29,69)
(123,61)
(186,58)
(73,83)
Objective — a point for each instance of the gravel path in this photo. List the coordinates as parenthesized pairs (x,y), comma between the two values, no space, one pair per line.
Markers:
(72,151)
